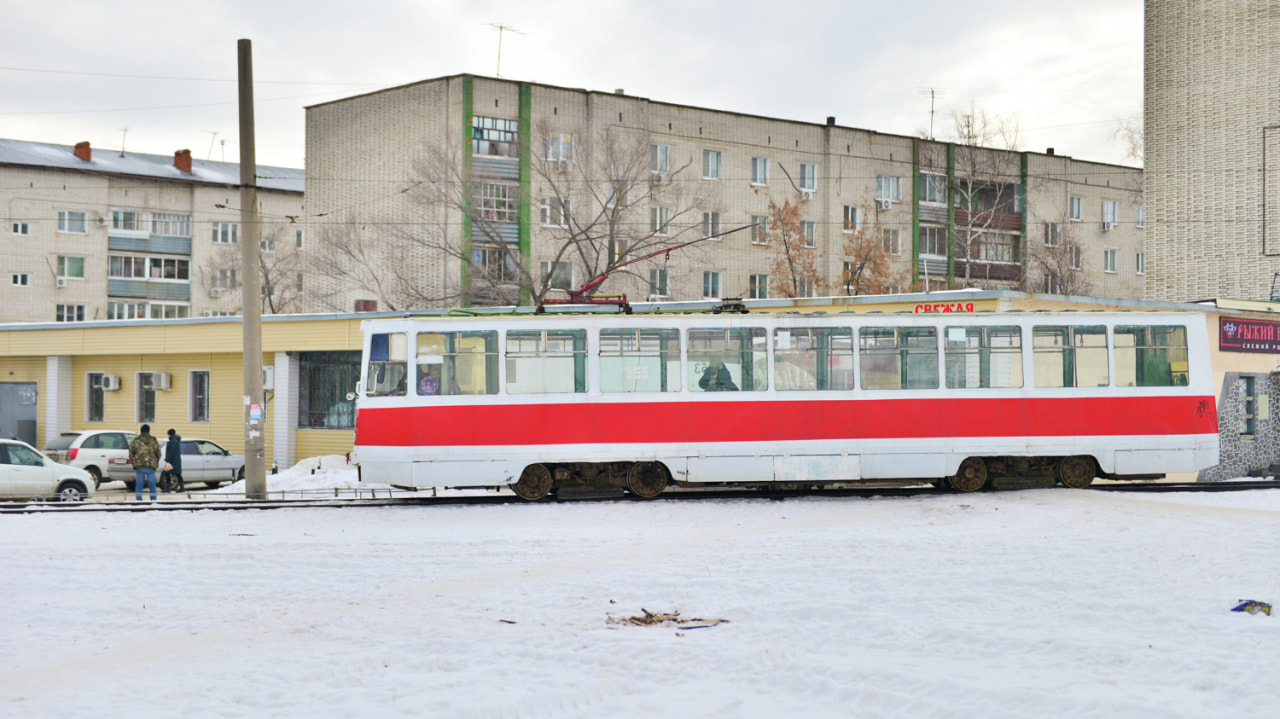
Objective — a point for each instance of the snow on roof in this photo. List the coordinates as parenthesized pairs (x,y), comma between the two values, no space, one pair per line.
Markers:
(62,157)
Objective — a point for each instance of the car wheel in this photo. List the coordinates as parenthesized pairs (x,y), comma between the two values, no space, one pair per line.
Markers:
(96,474)
(71,492)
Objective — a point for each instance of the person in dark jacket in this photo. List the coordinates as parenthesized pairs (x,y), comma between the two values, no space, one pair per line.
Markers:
(173,462)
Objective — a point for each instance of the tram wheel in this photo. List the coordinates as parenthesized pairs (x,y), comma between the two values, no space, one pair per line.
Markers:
(535,482)
(646,480)
(1076,472)
(971,476)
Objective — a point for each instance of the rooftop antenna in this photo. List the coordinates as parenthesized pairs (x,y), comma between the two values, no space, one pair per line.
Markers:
(213,137)
(500,27)
(223,143)
(124,133)
(934,93)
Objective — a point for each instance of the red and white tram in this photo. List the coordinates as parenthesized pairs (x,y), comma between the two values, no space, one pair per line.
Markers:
(644,401)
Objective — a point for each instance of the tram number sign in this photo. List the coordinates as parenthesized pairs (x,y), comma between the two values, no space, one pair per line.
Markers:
(1237,334)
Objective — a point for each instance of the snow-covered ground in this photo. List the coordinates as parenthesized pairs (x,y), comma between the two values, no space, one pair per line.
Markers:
(1042,603)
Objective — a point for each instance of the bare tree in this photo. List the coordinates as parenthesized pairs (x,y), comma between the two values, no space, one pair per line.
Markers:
(796,259)
(1130,132)
(1055,262)
(985,195)
(279,267)
(868,261)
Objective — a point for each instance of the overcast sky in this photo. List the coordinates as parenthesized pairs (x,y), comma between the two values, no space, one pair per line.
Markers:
(166,71)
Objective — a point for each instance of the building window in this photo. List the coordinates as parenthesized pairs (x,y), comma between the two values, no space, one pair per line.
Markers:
(1110,214)
(1052,234)
(1108,260)
(933,241)
(22,279)
(1141,262)
(494,136)
(1248,406)
(557,275)
(660,160)
(711,224)
(759,170)
(126,310)
(73,222)
(495,265)
(122,266)
(558,147)
(70,313)
(128,221)
(888,189)
(72,267)
(168,268)
(710,285)
(267,244)
(658,283)
(297,282)
(619,194)
(805,287)
(759,230)
(759,287)
(1140,216)
(1052,284)
(808,177)
(325,380)
(498,202)
(660,220)
(198,402)
(809,230)
(226,233)
(554,212)
(891,244)
(1074,208)
(993,247)
(170,224)
(852,219)
(933,187)
(1077,257)
(299,239)
(223,279)
(145,400)
(619,251)
(163,311)
(95,397)
(21,228)
(711,164)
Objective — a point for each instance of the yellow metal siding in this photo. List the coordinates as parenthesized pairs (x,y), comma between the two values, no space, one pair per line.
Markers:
(319,442)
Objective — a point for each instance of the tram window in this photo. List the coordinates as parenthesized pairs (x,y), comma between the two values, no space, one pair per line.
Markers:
(813,358)
(457,363)
(1070,356)
(640,360)
(983,357)
(728,360)
(899,357)
(1151,356)
(546,361)
(388,371)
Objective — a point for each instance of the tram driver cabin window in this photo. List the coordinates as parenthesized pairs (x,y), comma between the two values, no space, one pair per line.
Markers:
(388,372)
(546,361)
(1070,356)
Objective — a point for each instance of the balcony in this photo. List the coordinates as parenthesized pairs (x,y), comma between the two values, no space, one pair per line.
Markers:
(155,244)
(989,220)
(146,289)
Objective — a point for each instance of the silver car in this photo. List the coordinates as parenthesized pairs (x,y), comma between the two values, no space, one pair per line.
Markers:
(103,453)
(26,474)
(206,461)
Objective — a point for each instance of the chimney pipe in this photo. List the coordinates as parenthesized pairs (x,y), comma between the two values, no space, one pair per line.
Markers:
(1049,151)
(83,152)
(182,160)
(831,121)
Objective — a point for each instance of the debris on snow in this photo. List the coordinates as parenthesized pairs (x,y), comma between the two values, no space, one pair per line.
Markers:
(650,619)
(1252,606)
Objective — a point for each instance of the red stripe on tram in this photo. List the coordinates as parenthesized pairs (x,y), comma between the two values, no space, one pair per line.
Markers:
(782,421)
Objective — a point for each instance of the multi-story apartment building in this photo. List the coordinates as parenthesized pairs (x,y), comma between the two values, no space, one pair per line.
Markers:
(465,189)
(106,235)
(1212,148)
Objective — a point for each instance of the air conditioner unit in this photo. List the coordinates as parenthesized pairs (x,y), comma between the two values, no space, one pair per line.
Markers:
(1108,225)
(111,382)
(269,378)
(215,292)
(806,194)
(658,178)
(883,204)
(562,166)
(60,282)
(160,380)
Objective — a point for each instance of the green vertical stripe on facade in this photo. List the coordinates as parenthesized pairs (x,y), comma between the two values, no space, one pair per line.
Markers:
(526,185)
(1021,243)
(468,108)
(951,216)
(915,209)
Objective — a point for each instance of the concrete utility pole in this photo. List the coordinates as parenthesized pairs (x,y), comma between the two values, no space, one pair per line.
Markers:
(255,474)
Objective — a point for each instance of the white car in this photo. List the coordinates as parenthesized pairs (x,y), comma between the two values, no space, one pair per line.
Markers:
(26,474)
(103,453)
(206,461)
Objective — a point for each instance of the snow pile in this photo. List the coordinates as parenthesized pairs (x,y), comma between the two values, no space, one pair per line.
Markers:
(1039,603)
(331,471)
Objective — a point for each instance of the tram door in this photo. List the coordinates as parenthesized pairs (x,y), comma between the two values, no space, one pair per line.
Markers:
(18,411)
